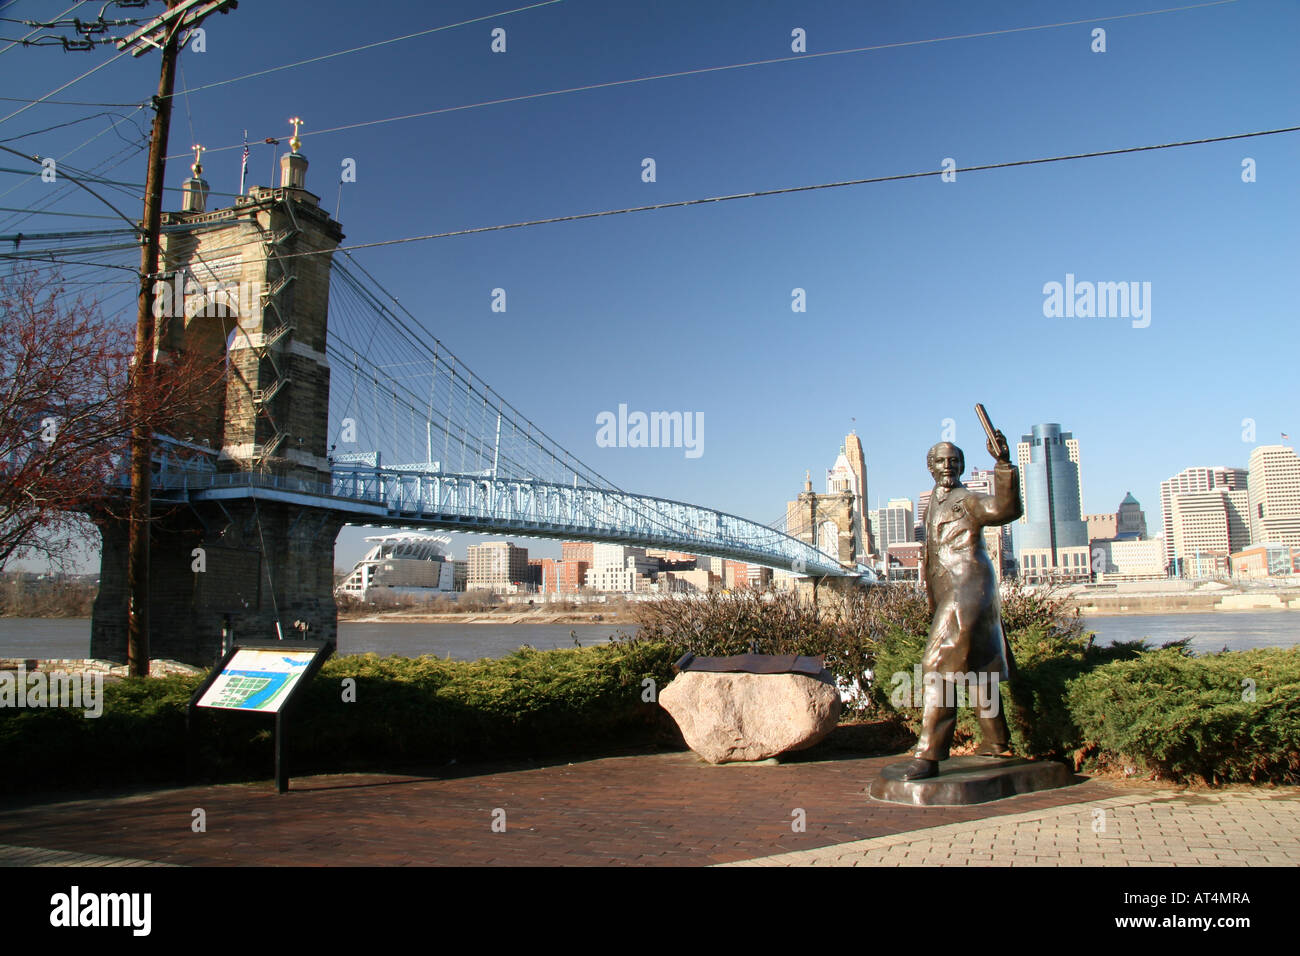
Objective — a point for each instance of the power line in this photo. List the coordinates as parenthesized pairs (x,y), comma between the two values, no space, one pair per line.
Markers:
(76,180)
(104,165)
(126,185)
(73,262)
(780,191)
(730,66)
(64,86)
(776,192)
(188,114)
(794,189)
(81,3)
(47,102)
(44,212)
(131,147)
(368,46)
(90,34)
(49,129)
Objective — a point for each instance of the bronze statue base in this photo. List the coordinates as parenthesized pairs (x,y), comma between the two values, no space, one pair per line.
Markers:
(966,780)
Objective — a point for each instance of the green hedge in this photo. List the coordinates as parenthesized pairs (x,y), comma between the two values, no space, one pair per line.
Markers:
(1163,712)
(1047,657)
(1218,718)
(845,628)
(407,713)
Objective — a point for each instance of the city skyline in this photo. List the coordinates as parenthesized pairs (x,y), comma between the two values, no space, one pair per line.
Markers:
(1156,529)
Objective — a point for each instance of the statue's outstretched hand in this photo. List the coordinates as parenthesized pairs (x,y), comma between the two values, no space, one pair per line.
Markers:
(1001,451)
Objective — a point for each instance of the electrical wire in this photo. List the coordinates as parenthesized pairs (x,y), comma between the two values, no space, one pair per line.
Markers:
(49,129)
(76,181)
(71,82)
(371,46)
(46,102)
(125,153)
(46,212)
(82,3)
(1010,164)
(730,66)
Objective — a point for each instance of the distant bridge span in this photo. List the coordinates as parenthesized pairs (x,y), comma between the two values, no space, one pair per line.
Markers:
(404,496)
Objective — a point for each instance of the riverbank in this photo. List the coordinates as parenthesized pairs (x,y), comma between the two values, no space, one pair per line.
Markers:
(1088,605)
(502,616)
(1185,602)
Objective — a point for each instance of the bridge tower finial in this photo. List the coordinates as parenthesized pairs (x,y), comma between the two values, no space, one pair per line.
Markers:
(194,192)
(293,165)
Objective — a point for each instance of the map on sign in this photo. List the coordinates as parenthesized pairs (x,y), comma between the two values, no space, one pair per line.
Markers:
(257,679)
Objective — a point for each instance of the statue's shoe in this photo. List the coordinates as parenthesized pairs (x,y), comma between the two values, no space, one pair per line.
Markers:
(994,749)
(919,769)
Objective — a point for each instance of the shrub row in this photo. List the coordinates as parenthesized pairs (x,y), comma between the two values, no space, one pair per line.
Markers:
(1159,712)
(407,713)
(846,629)
(1218,718)
(1232,717)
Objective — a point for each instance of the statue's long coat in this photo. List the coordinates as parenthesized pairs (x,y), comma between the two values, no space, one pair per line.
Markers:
(966,627)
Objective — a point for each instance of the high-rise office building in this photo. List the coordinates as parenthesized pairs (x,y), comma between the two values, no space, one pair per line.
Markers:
(1052,541)
(1128,559)
(1131,520)
(496,564)
(997,538)
(1022,459)
(1202,478)
(1126,523)
(576,551)
(922,507)
(849,473)
(622,556)
(1102,527)
(1274,494)
(895,521)
(1208,526)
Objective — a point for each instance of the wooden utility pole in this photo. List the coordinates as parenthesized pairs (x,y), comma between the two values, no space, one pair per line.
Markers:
(167,27)
(137,566)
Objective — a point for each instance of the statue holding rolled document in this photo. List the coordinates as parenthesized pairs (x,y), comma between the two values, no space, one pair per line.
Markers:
(966,654)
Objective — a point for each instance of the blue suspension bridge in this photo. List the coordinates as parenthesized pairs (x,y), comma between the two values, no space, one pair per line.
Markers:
(419,440)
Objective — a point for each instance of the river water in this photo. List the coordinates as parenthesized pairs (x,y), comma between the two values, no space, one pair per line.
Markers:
(1211,631)
(70,638)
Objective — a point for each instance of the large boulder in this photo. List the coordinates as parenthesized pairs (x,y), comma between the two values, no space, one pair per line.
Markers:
(729,717)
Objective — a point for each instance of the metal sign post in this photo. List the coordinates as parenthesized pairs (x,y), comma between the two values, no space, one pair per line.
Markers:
(265,677)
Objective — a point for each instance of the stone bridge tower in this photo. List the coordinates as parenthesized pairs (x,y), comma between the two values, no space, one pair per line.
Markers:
(247,284)
(828,522)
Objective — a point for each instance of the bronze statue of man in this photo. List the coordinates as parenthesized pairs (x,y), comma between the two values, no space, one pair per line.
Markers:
(966,645)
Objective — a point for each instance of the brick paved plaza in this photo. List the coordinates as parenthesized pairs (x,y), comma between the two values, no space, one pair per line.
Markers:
(668,808)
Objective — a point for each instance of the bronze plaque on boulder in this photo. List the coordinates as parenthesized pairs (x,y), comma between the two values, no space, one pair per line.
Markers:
(752,664)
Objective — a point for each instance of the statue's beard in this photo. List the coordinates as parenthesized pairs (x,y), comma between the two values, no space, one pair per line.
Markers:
(946,481)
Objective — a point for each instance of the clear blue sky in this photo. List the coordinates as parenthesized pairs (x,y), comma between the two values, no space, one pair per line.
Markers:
(923,297)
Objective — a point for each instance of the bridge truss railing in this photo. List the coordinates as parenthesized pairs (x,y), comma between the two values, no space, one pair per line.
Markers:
(545,509)
(480,503)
